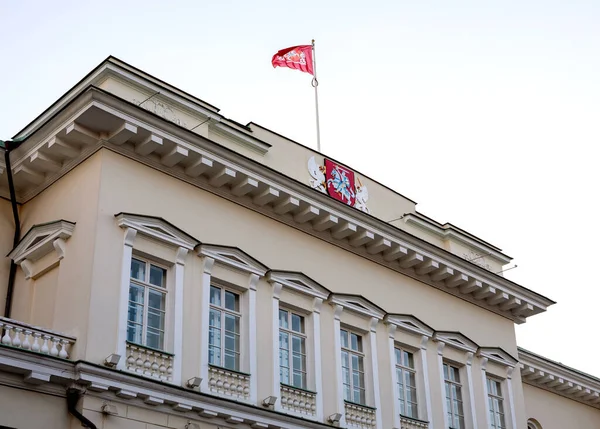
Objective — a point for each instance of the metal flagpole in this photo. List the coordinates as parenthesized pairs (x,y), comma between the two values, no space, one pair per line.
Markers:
(315,84)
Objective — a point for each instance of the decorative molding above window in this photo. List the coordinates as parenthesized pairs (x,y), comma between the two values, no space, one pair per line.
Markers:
(39,241)
(157,228)
(299,282)
(456,340)
(357,304)
(233,257)
(497,355)
(410,324)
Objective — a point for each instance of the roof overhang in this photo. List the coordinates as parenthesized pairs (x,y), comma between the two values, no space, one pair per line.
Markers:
(558,378)
(95,119)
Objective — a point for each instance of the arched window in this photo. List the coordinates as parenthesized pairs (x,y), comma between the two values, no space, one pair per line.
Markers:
(533,424)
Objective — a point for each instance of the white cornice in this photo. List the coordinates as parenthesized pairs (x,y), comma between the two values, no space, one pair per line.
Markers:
(560,379)
(40,239)
(456,340)
(212,167)
(157,229)
(357,304)
(298,282)
(410,324)
(233,257)
(497,355)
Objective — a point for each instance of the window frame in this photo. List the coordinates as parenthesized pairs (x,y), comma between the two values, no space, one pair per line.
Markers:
(362,356)
(223,310)
(402,395)
(147,286)
(448,382)
(492,398)
(304,338)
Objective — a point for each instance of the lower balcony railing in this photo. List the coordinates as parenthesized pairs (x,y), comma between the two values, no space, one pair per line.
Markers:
(149,362)
(28,337)
(410,423)
(359,415)
(227,382)
(298,400)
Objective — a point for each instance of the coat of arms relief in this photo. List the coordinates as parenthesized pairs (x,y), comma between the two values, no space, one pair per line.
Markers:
(338,182)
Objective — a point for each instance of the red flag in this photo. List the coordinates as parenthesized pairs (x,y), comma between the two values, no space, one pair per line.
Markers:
(296,57)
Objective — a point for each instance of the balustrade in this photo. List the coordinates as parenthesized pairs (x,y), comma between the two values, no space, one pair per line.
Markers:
(359,415)
(410,423)
(28,337)
(298,400)
(149,362)
(228,383)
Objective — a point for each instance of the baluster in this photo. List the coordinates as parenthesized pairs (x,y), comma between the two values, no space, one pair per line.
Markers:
(54,349)
(17,337)
(45,348)
(162,368)
(36,342)
(63,350)
(26,344)
(6,340)
(147,363)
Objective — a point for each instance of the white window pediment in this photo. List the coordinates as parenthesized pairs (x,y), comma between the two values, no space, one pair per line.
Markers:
(158,229)
(233,257)
(299,282)
(40,241)
(456,340)
(357,304)
(409,323)
(496,354)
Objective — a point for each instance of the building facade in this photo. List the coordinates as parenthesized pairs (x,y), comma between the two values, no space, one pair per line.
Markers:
(176,269)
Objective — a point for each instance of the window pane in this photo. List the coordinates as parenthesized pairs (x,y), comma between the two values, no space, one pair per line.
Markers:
(214,337)
(154,338)
(298,380)
(232,323)
(135,313)
(215,296)
(297,323)
(298,362)
(134,333)
(231,301)
(446,377)
(284,341)
(345,375)
(345,360)
(456,393)
(411,410)
(356,379)
(283,319)
(231,361)
(214,355)
(156,300)
(138,269)
(157,276)
(214,318)
(284,374)
(359,396)
(398,354)
(347,396)
(355,342)
(298,344)
(409,378)
(344,338)
(402,410)
(231,342)
(408,360)
(411,394)
(156,320)
(284,358)
(136,293)
(455,375)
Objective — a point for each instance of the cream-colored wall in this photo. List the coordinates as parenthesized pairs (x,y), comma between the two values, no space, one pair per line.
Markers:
(74,197)
(556,412)
(214,220)
(20,408)
(7,230)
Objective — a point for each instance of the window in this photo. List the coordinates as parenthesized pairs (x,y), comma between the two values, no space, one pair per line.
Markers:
(353,372)
(495,401)
(292,349)
(454,403)
(224,329)
(146,310)
(407,387)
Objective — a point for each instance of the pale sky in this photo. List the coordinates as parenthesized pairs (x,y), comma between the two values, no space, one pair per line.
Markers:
(487,113)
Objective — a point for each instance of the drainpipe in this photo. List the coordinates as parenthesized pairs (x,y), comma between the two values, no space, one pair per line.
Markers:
(73,396)
(8,147)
